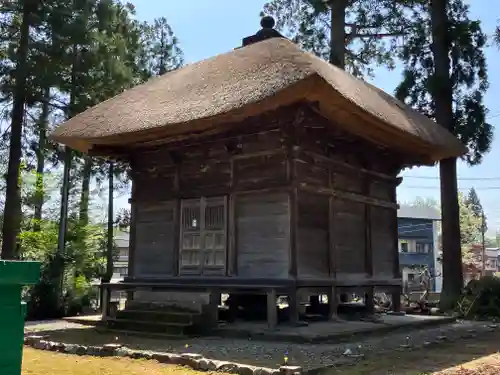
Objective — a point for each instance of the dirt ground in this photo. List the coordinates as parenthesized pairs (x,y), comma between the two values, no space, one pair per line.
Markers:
(477,356)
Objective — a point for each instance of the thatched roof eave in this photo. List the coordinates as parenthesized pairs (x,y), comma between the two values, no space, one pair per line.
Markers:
(217,93)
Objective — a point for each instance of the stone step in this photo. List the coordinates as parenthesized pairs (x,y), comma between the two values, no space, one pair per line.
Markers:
(173,329)
(157,306)
(142,333)
(159,316)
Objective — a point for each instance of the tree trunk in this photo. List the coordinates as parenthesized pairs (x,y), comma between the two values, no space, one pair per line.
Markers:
(337,32)
(12,210)
(443,97)
(40,160)
(85,194)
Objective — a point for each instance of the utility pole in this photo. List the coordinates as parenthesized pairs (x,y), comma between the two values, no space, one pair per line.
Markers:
(483,225)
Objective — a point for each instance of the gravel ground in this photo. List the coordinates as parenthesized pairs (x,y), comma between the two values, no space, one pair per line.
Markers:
(272,354)
(49,325)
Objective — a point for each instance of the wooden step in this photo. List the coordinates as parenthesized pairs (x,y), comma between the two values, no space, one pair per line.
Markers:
(157,306)
(159,316)
(174,329)
(125,332)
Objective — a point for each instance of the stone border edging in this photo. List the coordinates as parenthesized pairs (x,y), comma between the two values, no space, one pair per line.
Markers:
(194,361)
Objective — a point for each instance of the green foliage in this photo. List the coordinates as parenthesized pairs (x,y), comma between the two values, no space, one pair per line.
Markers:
(160,52)
(470,232)
(468,74)
(82,262)
(373,29)
(474,203)
(481,299)
(470,223)
(496,36)
(78,53)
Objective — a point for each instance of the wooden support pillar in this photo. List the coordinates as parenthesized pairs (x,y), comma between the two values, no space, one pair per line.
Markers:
(333,304)
(130,295)
(132,233)
(232,260)
(369,304)
(106,299)
(212,313)
(396,300)
(272,314)
(293,306)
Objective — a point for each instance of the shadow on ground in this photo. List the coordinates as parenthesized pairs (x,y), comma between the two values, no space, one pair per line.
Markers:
(478,356)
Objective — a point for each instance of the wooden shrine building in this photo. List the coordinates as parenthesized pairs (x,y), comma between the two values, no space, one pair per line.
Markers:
(263,170)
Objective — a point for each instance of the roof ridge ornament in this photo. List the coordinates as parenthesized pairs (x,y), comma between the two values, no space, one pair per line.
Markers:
(267,32)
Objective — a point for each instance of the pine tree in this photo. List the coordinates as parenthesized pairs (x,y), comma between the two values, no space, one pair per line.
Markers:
(472,200)
(320,27)
(442,35)
(24,12)
(159,49)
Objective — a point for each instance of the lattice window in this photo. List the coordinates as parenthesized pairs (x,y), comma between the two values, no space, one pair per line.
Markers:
(203,236)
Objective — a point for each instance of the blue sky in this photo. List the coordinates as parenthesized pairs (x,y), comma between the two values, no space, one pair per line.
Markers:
(206,28)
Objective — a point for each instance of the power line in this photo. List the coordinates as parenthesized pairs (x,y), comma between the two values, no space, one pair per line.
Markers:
(458,178)
(460,188)
(489,117)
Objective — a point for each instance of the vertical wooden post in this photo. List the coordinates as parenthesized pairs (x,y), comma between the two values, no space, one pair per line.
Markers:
(132,237)
(106,299)
(293,306)
(272,314)
(232,262)
(177,219)
(396,294)
(289,136)
(368,230)
(333,304)
(111,221)
(396,300)
(213,309)
(369,294)
(293,212)
(132,234)
(331,239)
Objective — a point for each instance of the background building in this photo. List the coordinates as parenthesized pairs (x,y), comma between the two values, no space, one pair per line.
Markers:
(120,265)
(418,243)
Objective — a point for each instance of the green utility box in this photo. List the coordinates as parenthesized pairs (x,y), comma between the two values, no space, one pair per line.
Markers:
(13,275)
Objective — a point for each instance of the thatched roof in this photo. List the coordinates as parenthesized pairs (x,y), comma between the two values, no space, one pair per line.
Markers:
(225,89)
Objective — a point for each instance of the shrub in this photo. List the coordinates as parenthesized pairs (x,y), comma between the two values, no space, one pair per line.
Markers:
(481,299)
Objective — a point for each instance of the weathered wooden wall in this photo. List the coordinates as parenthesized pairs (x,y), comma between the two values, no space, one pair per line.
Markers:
(154,239)
(304,197)
(262,235)
(312,236)
(252,163)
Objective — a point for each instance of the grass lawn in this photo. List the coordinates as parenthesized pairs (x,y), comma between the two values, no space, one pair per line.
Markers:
(39,362)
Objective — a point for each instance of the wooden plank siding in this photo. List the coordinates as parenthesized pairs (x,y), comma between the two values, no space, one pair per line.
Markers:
(312,246)
(262,224)
(154,240)
(298,201)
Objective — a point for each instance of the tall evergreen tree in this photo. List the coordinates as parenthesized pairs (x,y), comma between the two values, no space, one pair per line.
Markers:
(350,34)
(472,200)
(23,12)
(159,49)
(445,77)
